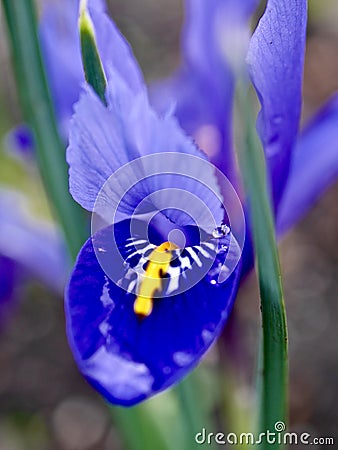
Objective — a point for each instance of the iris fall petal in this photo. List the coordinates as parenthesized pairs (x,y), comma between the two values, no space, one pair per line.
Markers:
(128,358)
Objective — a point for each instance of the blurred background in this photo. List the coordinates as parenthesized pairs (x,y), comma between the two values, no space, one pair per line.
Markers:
(44,402)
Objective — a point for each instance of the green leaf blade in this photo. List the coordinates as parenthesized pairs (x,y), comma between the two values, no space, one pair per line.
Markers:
(39,114)
(274,367)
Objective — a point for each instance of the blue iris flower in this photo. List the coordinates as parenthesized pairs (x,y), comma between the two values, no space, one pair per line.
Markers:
(137,335)
(153,286)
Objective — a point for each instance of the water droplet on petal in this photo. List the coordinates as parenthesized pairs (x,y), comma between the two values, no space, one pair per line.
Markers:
(207,336)
(220,232)
(222,249)
(182,358)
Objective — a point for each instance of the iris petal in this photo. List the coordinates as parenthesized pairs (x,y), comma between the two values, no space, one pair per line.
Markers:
(127,358)
(102,139)
(275,58)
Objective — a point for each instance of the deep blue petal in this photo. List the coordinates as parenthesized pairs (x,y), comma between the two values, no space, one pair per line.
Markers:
(127,358)
(276,58)
(314,166)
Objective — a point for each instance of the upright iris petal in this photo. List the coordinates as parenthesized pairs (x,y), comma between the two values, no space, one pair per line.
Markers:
(153,286)
(276,59)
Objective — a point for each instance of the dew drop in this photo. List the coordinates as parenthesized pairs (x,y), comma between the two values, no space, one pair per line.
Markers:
(182,358)
(104,328)
(220,232)
(207,336)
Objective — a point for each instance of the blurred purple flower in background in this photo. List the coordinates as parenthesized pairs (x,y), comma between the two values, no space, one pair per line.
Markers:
(28,246)
(301,166)
(19,143)
(8,279)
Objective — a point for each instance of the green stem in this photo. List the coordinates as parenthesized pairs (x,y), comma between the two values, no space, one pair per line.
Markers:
(39,114)
(192,411)
(138,429)
(192,415)
(274,367)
